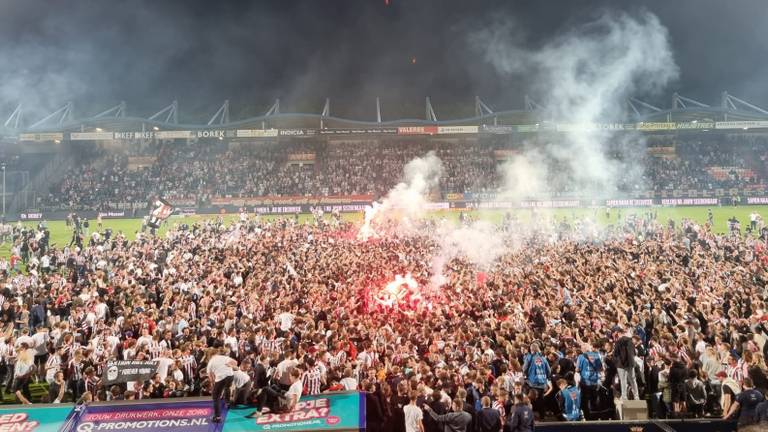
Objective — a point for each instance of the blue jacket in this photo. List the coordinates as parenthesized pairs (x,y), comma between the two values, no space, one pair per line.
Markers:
(570,400)
(589,366)
(521,419)
(488,420)
(536,369)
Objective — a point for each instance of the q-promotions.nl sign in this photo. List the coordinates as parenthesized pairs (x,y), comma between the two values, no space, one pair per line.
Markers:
(181,416)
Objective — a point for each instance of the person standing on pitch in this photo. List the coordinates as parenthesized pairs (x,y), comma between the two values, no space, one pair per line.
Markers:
(221,369)
(624,356)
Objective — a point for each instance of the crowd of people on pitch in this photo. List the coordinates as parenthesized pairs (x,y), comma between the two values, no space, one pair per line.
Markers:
(566,324)
(207,170)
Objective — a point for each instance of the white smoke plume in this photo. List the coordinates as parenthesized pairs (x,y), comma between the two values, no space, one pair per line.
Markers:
(582,77)
(524,176)
(479,243)
(407,202)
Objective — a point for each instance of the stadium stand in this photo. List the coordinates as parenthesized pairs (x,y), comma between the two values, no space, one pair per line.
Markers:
(211,169)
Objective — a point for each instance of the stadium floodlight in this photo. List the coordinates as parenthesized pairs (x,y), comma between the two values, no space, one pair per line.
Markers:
(222,115)
(171,112)
(64,113)
(14,120)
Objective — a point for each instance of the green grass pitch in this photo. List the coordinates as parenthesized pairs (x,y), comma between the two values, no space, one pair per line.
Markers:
(61,235)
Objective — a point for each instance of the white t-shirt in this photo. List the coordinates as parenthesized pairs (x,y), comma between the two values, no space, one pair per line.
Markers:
(413,416)
(349,383)
(40,340)
(240,378)
(285,366)
(101,311)
(219,367)
(25,339)
(286,321)
(295,389)
(163,363)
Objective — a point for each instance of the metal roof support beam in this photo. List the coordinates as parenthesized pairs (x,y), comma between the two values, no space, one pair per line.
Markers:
(726,103)
(222,115)
(326,112)
(430,112)
(274,109)
(378,110)
(116,111)
(481,108)
(633,107)
(67,114)
(531,105)
(171,112)
(681,101)
(326,108)
(14,120)
(731,99)
(633,101)
(64,112)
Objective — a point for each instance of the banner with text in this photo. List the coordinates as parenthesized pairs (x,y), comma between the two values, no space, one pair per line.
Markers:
(330,411)
(359,131)
(128,370)
(417,130)
(190,416)
(35,419)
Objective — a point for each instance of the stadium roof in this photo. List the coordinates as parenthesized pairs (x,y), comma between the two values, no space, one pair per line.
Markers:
(115,119)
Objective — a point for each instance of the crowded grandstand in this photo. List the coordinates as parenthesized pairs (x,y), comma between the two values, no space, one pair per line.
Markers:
(501,272)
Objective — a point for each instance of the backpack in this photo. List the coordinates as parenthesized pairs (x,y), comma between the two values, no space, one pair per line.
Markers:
(601,405)
(697,394)
(531,371)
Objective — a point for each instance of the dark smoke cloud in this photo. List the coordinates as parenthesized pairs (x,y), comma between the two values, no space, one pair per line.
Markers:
(148,53)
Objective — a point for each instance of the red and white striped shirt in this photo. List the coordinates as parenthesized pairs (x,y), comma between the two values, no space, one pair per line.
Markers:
(735,372)
(337,360)
(312,380)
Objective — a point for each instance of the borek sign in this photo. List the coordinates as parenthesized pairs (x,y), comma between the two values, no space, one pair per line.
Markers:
(332,411)
(41,419)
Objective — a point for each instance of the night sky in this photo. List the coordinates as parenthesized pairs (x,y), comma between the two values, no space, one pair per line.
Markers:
(201,52)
